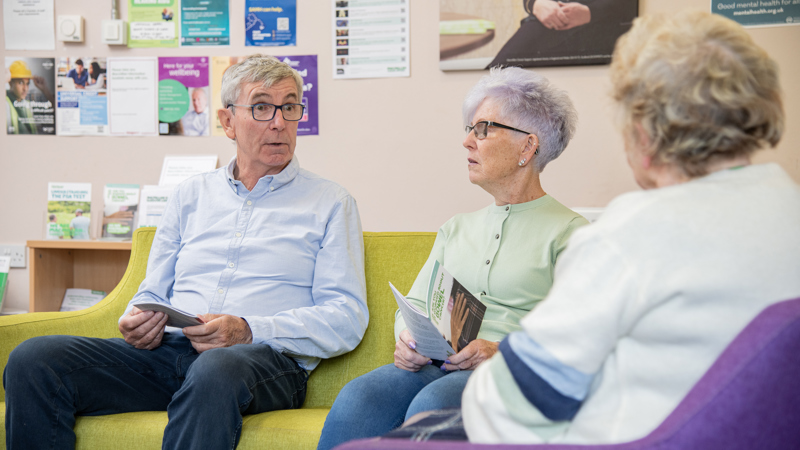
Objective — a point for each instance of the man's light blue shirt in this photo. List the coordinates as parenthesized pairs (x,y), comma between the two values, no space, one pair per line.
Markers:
(288,257)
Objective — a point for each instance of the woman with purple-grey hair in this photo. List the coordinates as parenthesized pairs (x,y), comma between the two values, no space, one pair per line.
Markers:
(516,122)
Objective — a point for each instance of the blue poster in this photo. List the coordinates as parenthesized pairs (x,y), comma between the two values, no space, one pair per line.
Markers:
(270,23)
(759,13)
(205,22)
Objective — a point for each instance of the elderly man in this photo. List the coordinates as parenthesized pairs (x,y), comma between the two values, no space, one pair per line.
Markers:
(271,257)
(195,121)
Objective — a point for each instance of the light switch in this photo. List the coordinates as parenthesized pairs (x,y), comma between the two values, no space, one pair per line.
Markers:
(113,32)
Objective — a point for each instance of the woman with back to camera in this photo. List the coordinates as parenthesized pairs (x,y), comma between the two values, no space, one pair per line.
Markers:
(505,254)
(647,298)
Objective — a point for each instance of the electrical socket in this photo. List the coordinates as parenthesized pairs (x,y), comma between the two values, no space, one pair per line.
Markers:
(16,252)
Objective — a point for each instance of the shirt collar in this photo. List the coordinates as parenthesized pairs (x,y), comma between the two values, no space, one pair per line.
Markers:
(268,181)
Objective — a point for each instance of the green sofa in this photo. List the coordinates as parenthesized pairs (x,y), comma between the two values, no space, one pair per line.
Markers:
(395,257)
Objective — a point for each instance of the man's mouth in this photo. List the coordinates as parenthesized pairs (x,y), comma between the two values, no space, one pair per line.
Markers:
(471,161)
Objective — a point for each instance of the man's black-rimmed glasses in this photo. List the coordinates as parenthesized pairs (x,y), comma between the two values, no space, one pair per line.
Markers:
(264,112)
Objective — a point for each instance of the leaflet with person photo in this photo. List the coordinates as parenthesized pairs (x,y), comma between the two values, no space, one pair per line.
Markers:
(456,313)
(451,311)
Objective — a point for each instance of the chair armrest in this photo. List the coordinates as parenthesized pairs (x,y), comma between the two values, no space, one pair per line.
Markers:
(98,321)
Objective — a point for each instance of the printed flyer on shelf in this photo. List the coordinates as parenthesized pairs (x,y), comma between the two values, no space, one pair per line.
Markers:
(120,202)
(183,106)
(30,103)
(69,207)
(82,107)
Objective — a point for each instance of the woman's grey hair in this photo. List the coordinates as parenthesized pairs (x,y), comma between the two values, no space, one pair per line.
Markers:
(700,88)
(529,102)
(259,69)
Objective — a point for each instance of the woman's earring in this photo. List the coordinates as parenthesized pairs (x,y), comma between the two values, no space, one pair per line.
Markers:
(522,162)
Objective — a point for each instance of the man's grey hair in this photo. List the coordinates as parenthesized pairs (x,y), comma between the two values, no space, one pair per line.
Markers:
(529,102)
(256,69)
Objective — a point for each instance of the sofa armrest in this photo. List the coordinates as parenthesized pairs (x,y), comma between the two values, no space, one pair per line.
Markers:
(98,321)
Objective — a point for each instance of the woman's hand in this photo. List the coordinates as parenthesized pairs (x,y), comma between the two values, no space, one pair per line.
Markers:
(550,14)
(576,14)
(458,317)
(472,355)
(405,357)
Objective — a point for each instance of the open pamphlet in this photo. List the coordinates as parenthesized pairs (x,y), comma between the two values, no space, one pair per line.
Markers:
(176,317)
(77,299)
(452,320)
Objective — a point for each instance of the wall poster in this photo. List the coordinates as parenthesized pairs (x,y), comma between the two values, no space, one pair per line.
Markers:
(475,34)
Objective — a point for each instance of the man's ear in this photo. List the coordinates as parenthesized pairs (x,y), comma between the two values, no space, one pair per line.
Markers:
(226,120)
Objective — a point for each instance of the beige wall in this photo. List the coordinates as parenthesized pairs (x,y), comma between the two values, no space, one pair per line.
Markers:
(395,144)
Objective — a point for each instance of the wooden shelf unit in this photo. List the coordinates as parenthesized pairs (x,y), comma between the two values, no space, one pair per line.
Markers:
(56,265)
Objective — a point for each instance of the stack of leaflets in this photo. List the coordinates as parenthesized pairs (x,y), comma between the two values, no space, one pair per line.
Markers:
(453,317)
(5,265)
(68,210)
(119,210)
(77,299)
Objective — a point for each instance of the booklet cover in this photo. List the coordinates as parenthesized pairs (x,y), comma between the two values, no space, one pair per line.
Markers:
(452,312)
(119,210)
(456,313)
(77,299)
(30,103)
(69,208)
(5,265)
(152,205)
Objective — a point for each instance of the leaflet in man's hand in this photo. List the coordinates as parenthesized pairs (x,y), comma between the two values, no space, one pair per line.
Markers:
(429,341)
(455,312)
(177,318)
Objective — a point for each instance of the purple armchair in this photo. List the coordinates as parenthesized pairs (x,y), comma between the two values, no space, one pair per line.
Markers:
(748,399)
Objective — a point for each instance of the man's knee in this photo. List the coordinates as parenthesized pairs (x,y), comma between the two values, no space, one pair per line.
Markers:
(218,369)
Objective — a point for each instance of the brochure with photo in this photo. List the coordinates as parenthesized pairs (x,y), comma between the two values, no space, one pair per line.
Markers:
(453,318)
(82,106)
(69,207)
(30,103)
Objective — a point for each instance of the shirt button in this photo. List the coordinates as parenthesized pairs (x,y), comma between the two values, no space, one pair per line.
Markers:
(497,236)
(271,188)
(507,208)
(249,202)
(238,234)
(221,291)
(487,261)
(483,293)
(230,264)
